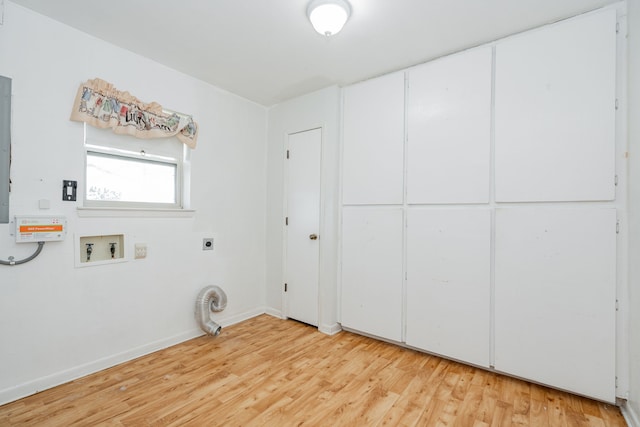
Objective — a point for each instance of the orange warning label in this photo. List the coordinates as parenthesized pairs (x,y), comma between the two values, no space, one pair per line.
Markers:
(40,228)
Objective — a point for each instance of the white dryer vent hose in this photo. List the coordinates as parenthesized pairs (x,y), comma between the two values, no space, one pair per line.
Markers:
(210,298)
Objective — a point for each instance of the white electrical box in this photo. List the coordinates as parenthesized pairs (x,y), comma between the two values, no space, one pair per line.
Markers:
(30,229)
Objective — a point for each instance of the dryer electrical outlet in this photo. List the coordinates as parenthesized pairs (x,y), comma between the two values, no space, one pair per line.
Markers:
(29,229)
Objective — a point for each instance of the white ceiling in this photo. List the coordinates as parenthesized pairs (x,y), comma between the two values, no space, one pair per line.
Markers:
(267,51)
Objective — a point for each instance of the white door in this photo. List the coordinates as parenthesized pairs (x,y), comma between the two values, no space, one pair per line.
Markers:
(373,146)
(449,129)
(448,307)
(303,219)
(555,117)
(372,278)
(555,293)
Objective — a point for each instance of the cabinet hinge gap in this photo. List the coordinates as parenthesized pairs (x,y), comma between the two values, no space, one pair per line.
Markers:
(618,227)
(288,150)
(615,180)
(617,27)
(286,220)
(285,287)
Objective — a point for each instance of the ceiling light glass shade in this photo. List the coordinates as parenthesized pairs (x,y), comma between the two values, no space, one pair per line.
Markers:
(328,16)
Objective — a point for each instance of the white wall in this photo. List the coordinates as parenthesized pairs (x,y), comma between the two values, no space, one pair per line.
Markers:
(317,109)
(633,21)
(58,322)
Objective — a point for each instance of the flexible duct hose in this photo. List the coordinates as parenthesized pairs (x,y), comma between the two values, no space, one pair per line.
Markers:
(22,261)
(211,298)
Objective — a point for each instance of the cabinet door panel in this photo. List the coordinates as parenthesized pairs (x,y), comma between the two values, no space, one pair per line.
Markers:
(372,271)
(449,129)
(448,286)
(555,291)
(373,151)
(555,112)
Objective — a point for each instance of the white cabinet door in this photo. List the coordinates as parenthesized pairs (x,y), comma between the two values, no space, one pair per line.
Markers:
(555,293)
(372,270)
(373,150)
(449,282)
(449,129)
(555,112)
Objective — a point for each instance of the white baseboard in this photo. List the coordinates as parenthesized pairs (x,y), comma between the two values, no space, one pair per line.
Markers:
(232,320)
(275,313)
(630,415)
(325,329)
(39,384)
(330,329)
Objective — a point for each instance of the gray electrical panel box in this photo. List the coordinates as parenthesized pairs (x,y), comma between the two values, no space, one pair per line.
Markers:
(5,146)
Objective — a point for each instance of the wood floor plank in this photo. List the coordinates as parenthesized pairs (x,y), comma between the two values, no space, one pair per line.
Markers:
(469,408)
(521,406)
(502,415)
(538,413)
(431,413)
(611,415)
(489,399)
(407,410)
(461,388)
(271,372)
(556,407)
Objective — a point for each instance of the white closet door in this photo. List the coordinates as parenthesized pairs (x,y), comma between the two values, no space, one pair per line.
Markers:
(448,282)
(449,129)
(373,150)
(303,213)
(555,112)
(372,270)
(555,292)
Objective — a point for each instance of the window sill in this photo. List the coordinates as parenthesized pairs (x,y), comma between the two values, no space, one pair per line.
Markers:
(110,212)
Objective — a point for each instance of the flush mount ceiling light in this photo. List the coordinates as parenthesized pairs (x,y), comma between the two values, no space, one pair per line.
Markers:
(328,16)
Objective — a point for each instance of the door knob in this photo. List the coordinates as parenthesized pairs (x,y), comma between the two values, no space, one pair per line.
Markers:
(313,236)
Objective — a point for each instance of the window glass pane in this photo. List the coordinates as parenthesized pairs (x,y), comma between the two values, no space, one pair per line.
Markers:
(123,179)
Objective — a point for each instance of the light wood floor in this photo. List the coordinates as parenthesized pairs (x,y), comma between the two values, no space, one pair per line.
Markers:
(267,371)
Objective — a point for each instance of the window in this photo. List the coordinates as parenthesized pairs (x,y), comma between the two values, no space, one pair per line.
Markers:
(127,172)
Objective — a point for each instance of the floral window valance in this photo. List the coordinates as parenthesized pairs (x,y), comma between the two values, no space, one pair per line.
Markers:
(101,105)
